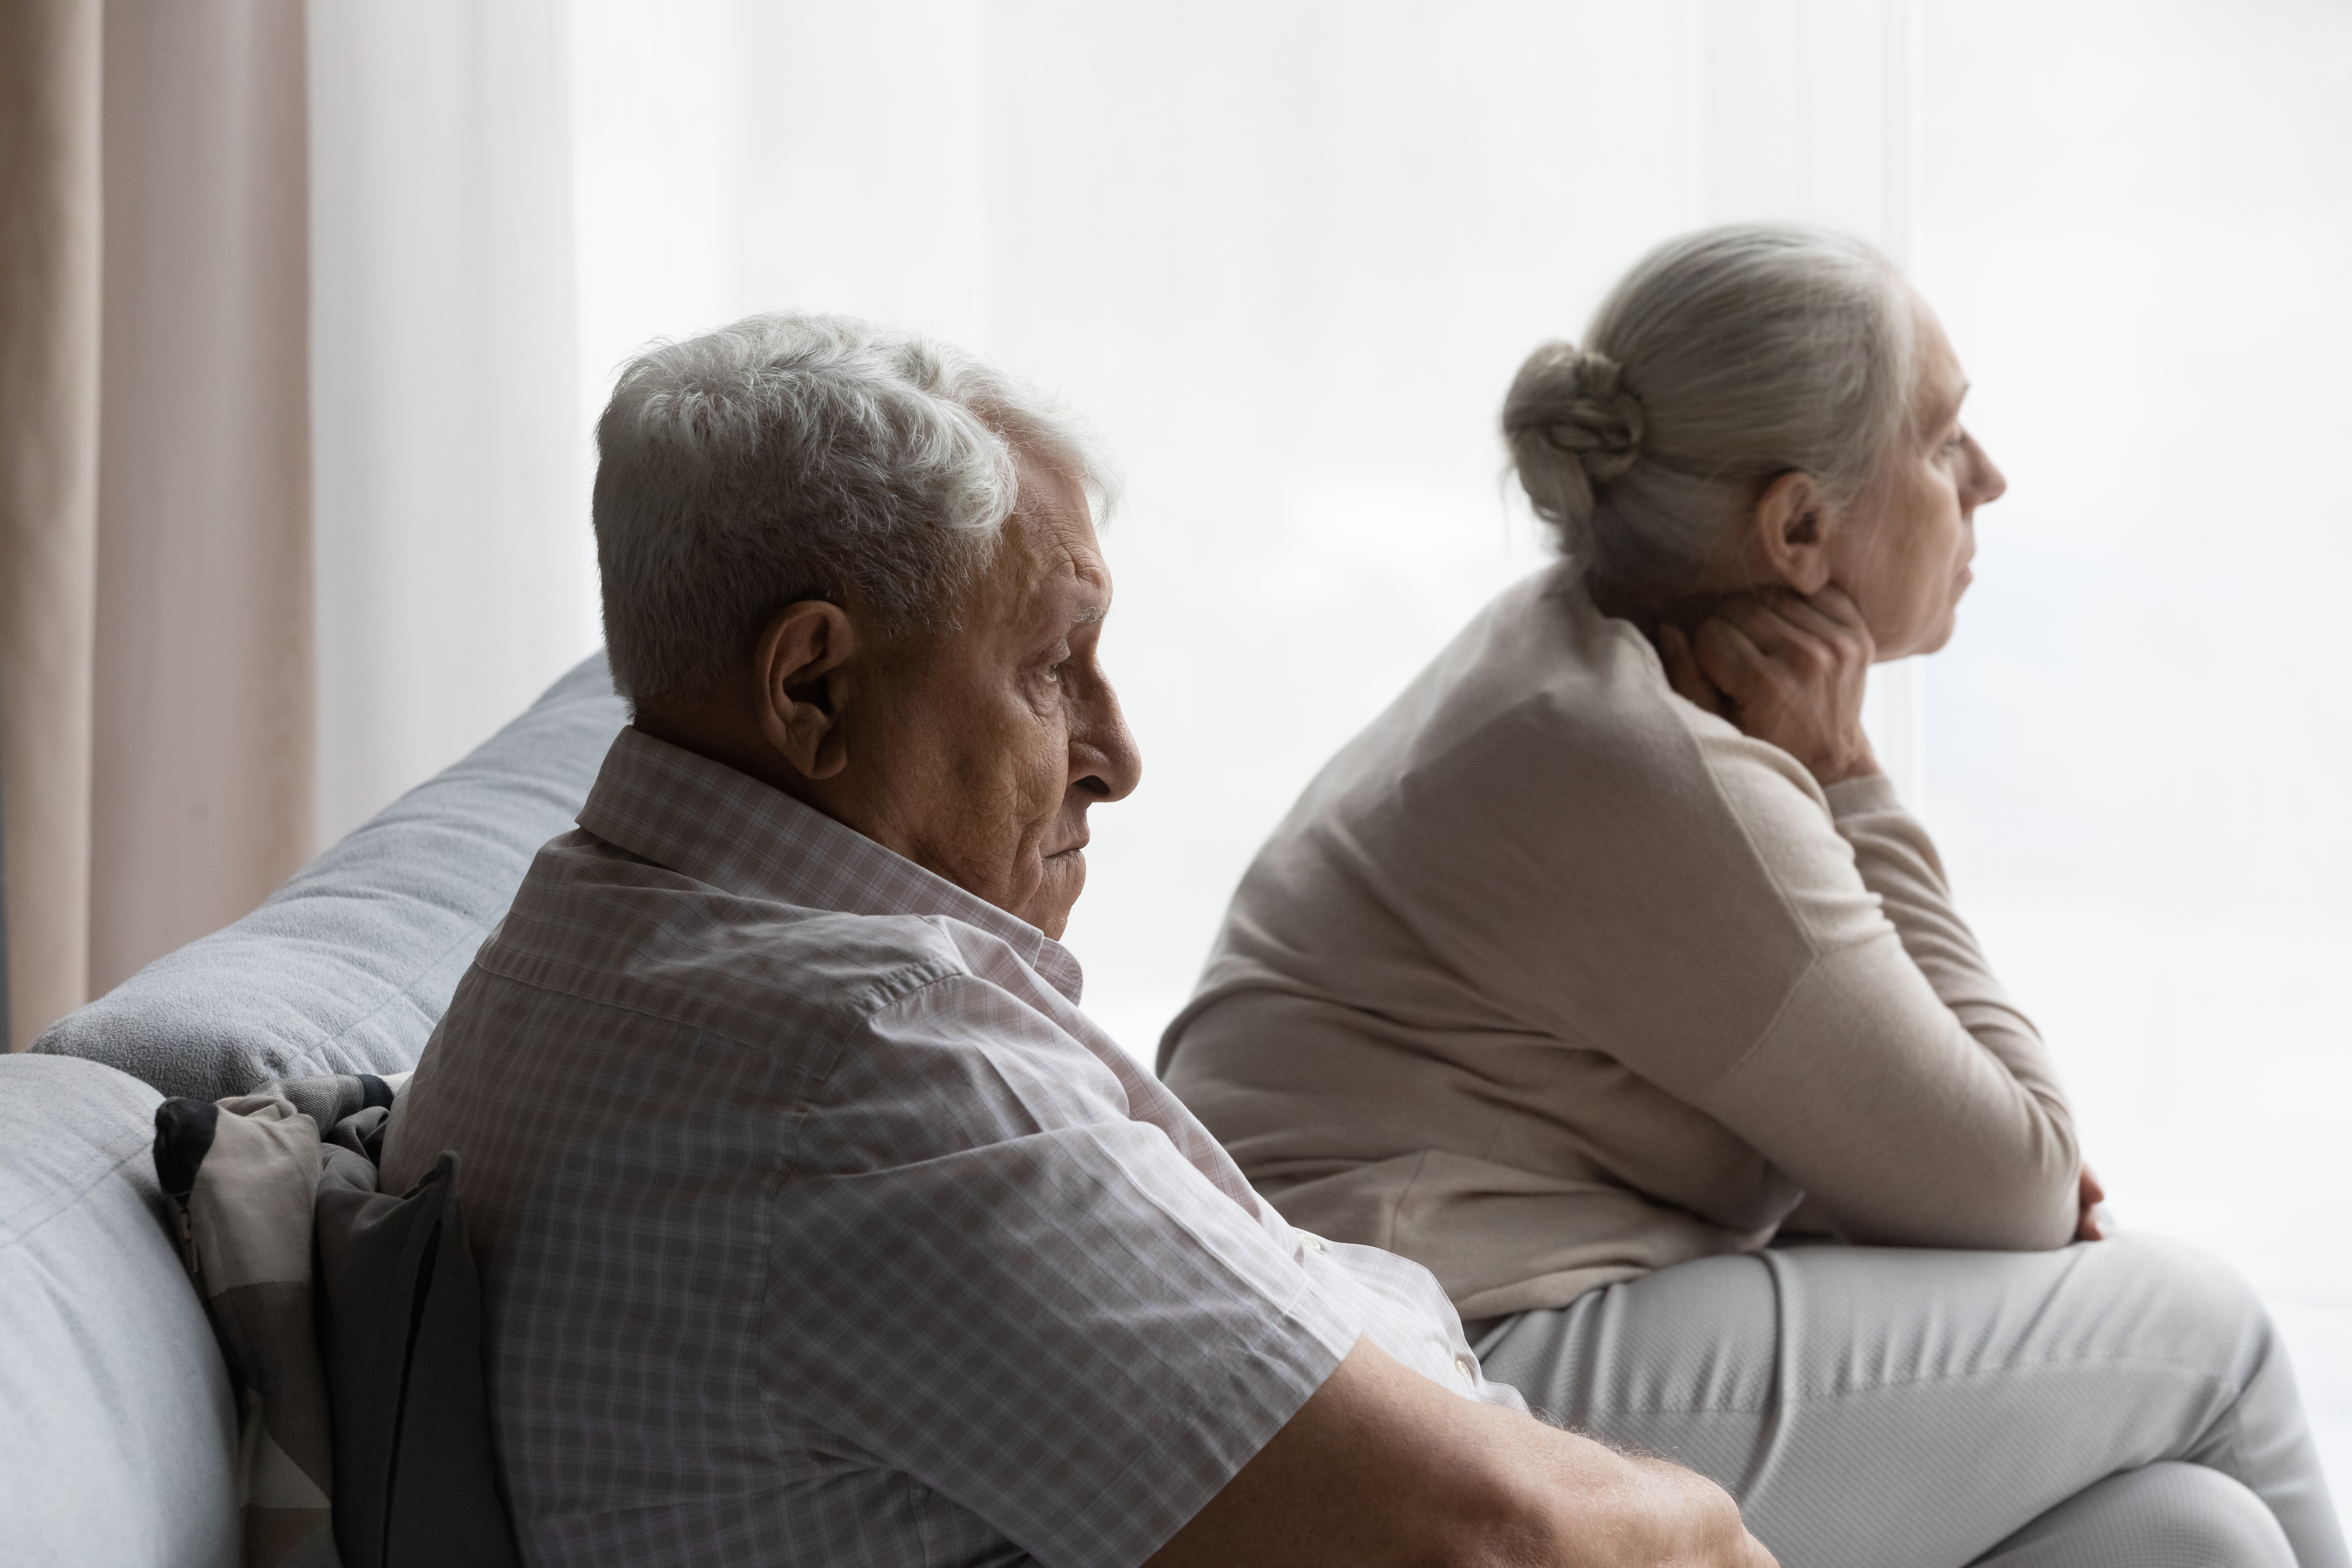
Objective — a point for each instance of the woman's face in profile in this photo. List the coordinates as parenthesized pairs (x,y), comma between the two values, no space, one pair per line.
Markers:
(1904,554)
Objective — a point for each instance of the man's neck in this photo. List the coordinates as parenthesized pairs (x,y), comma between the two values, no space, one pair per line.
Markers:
(733,739)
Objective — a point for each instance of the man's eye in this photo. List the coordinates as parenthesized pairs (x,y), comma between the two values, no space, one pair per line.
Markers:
(1053,672)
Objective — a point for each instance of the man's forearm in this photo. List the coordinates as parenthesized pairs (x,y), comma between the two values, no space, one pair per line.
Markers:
(1381,1466)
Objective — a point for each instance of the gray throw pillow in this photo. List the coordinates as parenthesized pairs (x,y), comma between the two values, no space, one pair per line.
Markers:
(347,967)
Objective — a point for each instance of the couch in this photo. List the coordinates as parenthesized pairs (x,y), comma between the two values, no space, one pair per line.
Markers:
(118,1438)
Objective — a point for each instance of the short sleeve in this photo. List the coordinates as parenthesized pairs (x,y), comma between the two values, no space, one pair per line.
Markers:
(988,1277)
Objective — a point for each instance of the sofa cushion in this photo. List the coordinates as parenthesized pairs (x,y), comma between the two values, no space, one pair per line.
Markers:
(119,1444)
(347,967)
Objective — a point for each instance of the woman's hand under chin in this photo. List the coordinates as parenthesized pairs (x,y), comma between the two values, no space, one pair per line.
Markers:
(1784,669)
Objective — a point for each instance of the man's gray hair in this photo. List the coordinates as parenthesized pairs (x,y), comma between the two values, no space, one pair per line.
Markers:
(795,457)
(1724,359)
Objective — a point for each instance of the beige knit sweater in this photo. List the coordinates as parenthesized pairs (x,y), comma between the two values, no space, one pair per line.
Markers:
(1551,979)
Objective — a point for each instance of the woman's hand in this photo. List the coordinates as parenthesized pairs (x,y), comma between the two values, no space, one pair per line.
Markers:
(1786,669)
(2088,1229)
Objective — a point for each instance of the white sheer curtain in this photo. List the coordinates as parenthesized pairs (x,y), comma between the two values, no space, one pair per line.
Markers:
(2136,220)
(454,575)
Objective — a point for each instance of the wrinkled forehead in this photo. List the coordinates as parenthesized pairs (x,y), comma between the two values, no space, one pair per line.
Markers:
(1047,573)
(1055,520)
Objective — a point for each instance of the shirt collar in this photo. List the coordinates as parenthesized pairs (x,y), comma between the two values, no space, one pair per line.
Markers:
(706,820)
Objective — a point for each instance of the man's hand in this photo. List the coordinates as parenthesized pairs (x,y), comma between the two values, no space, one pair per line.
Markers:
(1383,1467)
(1786,669)
(1677,1517)
(2088,1227)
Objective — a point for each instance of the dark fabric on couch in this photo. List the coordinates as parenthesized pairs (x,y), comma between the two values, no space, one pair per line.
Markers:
(347,967)
(415,1484)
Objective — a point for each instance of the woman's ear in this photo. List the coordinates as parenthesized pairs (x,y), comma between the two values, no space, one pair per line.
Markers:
(800,665)
(1789,534)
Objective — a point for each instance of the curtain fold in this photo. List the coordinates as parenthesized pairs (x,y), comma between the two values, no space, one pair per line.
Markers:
(155,643)
(201,778)
(50,71)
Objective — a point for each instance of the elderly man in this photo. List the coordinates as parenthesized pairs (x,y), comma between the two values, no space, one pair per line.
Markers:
(819,1225)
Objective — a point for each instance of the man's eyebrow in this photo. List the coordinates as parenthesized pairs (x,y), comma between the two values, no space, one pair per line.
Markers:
(1088,615)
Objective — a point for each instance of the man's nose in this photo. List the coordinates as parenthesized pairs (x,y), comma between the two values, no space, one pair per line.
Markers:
(1105,761)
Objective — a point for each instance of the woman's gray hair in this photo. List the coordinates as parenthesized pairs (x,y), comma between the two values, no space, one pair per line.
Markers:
(1724,359)
(794,457)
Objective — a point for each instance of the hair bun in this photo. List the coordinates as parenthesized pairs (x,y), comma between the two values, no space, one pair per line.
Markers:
(1599,421)
(1572,425)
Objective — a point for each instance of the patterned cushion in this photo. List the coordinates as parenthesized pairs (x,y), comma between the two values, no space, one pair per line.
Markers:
(366,1438)
(245,1174)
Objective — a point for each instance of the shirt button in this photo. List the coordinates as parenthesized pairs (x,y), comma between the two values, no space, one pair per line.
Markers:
(1312,1243)
(1467,1367)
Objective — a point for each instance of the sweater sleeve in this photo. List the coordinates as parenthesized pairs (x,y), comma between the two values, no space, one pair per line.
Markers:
(1897,861)
(1896,1083)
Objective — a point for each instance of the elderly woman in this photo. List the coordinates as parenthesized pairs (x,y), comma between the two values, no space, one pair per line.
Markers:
(1608,949)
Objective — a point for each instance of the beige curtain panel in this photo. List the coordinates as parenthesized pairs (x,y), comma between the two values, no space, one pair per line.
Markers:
(156,710)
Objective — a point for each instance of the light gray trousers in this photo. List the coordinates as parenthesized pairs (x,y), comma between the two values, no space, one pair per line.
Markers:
(2123,1404)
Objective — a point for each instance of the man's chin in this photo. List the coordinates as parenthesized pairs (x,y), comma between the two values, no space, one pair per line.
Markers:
(1065,877)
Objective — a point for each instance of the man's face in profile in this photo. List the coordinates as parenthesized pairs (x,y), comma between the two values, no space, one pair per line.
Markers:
(995,735)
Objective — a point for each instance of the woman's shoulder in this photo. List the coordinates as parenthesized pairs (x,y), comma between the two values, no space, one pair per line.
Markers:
(1545,727)
(1540,811)
(1542,678)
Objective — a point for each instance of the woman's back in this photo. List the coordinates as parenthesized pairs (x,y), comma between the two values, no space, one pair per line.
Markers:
(1551,979)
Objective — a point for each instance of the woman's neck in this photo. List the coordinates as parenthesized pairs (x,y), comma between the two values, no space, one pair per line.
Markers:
(1648,607)
(1685,604)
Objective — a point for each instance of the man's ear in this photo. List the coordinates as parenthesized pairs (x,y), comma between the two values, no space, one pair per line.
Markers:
(800,665)
(1789,532)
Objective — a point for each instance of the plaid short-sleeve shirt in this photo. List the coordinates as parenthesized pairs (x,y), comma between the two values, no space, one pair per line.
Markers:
(820,1227)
